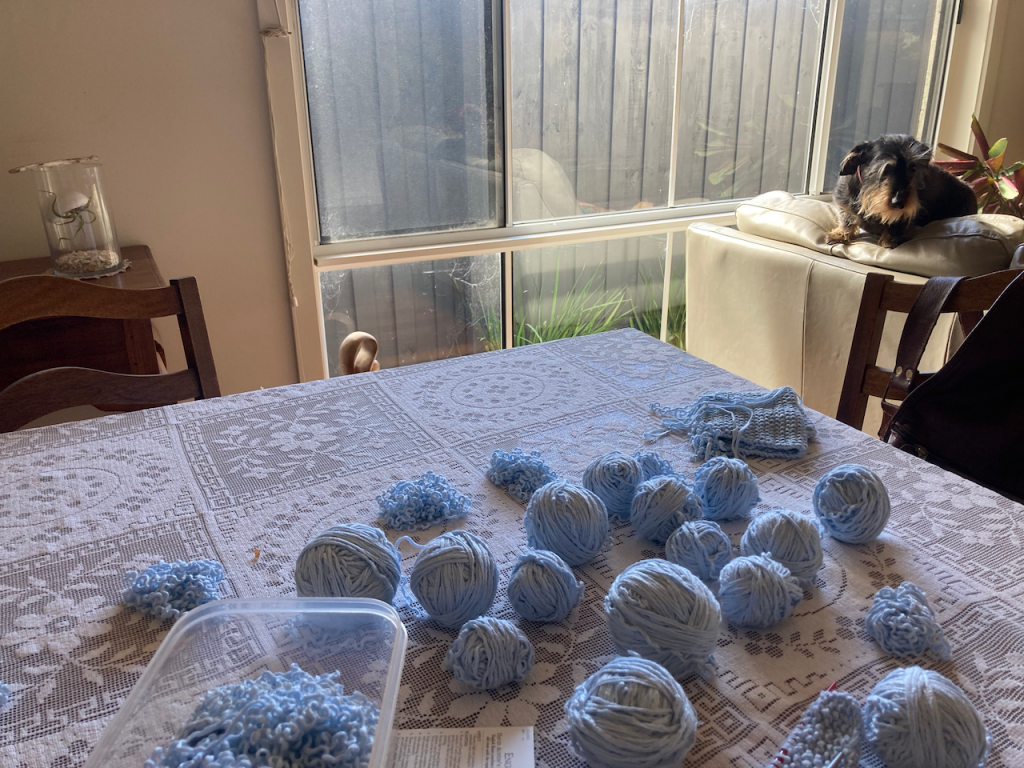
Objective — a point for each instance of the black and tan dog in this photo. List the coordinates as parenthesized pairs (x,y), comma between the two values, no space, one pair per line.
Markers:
(889,184)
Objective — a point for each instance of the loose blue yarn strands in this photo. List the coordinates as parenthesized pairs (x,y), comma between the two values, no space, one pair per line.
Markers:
(791,538)
(631,712)
(664,613)
(757,591)
(5,695)
(701,547)
(568,520)
(851,503)
(542,587)
(281,719)
(519,473)
(727,488)
(661,505)
(167,590)
(771,425)
(412,505)
(916,718)
(828,735)
(454,577)
(652,465)
(614,478)
(349,560)
(489,653)
(904,624)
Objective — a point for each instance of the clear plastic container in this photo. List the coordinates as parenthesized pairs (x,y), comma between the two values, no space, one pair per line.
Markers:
(229,641)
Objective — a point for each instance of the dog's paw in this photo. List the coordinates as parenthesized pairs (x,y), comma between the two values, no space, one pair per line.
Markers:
(887,241)
(837,236)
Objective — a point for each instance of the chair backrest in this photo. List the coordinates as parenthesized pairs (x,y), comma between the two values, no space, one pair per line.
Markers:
(969,298)
(44,296)
(358,354)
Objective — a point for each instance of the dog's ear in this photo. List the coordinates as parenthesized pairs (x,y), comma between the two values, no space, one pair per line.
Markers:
(857,157)
(919,153)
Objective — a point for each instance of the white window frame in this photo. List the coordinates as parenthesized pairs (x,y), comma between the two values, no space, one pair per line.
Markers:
(306,257)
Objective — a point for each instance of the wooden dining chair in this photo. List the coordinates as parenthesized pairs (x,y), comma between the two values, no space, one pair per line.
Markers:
(969,298)
(43,392)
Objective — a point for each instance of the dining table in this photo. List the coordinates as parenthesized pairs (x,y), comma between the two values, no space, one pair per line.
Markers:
(249,479)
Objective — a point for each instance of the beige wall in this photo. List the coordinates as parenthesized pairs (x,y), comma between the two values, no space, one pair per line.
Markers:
(172,97)
(1006,97)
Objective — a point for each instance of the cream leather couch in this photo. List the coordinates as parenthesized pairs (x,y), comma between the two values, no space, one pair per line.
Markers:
(774,303)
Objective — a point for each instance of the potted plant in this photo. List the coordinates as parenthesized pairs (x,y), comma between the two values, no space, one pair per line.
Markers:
(999,186)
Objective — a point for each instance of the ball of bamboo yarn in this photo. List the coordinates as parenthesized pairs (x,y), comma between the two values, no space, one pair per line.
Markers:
(349,560)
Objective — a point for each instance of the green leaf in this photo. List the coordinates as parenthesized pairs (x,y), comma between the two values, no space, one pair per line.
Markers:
(996,154)
(979,135)
(1007,190)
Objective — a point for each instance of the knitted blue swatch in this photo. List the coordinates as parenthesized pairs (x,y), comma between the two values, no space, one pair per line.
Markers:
(652,465)
(904,624)
(281,719)
(5,695)
(772,425)
(727,488)
(489,653)
(542,587)
(167,590)
(829,727)
(614,478)
(412,505)
(519,473)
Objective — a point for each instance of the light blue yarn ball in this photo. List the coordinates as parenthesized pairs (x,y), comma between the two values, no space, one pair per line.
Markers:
(916,718)
(904,624)
(790,538)
(631,712)
(727,487)
(701,547)
(455,578)
(661,505)
(519,473)
(614,478)
(412,505)
(852,503)
(568,520)
(167,590)
(757,591)
(349,560)
(489,653)
(664,613)
(542,587)
(652,465)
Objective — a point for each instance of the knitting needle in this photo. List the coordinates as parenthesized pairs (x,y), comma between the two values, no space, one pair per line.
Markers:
(835,761)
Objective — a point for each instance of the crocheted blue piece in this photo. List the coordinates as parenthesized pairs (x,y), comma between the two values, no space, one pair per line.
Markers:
(771,425)
(282,719)
(830,727)
(5,695)
(652,465)
(412,505)
(167,590)
(519,473)
(904,624)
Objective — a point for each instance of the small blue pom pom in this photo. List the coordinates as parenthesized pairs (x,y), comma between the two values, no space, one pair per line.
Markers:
(614,478)
(167,590)
(852,504)
(757,591)
(661,505)
(412,505)
(489,653)
(567,520)
(454,577)
(349,560)
(904,624)
(519,473)
(541,587)
(727,487)
(652,465)
(701,547)
(790,538)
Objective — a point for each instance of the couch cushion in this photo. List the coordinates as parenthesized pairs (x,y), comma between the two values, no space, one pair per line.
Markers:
(968,245)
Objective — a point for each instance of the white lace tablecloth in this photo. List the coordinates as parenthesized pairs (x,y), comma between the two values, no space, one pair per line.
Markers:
(82,503)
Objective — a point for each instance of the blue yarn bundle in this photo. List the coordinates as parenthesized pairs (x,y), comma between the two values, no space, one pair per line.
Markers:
(282,719)
(519,473)
(349,560)
(5,695)
(489,653)
(412,505)
(701,547)
(454,577)
(852,503)
(831,726)
(614,478)
(567,520)
(757,591)
(904,624)
(727,488)
(661,505)
(541,587)
(167,590)
(791,538)
(916,718)
(652,465)
(631,712)
(664,613)
(772,425)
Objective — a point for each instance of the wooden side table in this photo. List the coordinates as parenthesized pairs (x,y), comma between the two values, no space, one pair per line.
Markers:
(119,346)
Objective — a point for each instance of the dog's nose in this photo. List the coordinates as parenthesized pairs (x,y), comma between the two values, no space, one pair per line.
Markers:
(898,201)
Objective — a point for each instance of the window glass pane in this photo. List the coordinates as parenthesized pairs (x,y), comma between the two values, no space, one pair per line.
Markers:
(405,123)
(891,59)
(749,76)
(576,290)
(675,328)
(422,311)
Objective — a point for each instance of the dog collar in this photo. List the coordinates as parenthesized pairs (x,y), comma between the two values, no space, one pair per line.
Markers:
(858,175)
